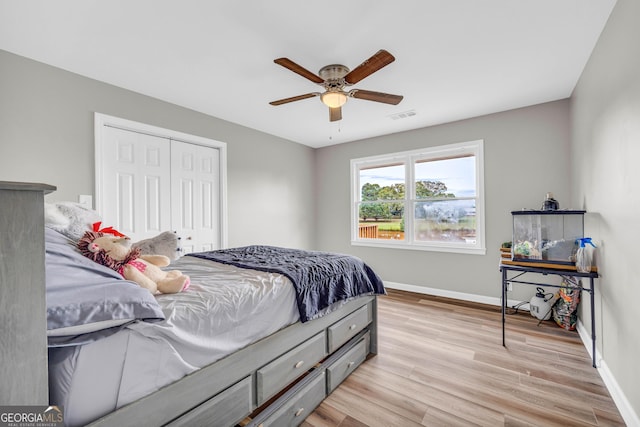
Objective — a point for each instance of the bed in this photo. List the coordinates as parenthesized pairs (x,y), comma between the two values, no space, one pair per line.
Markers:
(250,342)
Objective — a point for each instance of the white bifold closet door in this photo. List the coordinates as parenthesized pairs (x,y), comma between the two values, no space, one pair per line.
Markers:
(152,184)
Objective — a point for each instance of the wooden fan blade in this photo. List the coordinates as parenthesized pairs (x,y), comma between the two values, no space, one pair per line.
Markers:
(335,114)
(368,95)
(370,66)
(289,64)
(294,98)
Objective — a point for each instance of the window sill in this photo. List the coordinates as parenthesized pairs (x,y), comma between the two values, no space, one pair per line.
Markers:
(427,248)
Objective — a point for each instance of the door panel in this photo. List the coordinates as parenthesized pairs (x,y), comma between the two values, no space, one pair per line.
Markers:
(136,183)
(196,183)
(123,208)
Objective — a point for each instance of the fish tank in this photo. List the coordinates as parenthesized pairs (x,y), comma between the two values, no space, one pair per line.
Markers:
(546,236)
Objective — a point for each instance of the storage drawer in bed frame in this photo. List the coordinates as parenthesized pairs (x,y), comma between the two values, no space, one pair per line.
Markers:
(273,377)
(300,400)
(222,410)
(253,386)
(346,364)
(343,330)
(296,409)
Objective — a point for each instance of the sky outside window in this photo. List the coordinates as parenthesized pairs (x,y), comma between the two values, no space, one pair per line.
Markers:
(458,174)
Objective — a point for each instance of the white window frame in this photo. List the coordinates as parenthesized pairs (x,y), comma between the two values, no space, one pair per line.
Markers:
(475,148)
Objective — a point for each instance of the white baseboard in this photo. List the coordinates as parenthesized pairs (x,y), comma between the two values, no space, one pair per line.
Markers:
(624,406)
(451,294)
(619,398)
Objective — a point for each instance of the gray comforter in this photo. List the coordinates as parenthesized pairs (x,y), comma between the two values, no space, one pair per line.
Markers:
(319,278)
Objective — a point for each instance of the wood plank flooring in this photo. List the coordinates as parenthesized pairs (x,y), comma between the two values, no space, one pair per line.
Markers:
(441,362)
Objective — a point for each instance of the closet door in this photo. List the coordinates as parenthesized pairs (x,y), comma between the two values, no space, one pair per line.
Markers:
(136,188)
(195,195)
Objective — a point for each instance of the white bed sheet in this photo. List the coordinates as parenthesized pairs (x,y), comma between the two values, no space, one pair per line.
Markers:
(225,309)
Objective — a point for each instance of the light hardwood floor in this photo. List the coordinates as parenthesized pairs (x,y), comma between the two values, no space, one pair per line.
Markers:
(441,362)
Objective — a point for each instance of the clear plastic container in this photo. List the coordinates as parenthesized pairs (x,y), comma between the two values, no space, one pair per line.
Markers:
(546,236)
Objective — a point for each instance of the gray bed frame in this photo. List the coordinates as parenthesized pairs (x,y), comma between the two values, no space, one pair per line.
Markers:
(278,380)
(285,376)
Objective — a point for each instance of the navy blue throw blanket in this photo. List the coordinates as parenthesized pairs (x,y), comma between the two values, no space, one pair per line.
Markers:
(319,278)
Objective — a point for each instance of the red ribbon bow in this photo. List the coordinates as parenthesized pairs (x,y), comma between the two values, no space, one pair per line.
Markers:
(107,230)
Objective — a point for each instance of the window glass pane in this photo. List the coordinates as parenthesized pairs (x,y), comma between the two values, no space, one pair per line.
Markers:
(445,221)
(446,178)
(381,220)
(382,183)
(382,191)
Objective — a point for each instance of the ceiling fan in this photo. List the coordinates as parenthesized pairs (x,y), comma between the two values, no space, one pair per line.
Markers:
(335,77)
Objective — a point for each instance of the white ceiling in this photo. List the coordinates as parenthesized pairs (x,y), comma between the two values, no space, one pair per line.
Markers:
(455,59)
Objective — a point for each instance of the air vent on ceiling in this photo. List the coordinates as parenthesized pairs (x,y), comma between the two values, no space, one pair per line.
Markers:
(403,115)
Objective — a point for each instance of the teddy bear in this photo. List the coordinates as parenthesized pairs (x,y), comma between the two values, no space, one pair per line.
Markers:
(166,243)
(113,251)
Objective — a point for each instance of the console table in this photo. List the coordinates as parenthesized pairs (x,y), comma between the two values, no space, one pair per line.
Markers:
(512,272)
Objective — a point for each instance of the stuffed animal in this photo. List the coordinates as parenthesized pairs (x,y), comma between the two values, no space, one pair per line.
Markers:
(112,251)
(73,219)
(166,243)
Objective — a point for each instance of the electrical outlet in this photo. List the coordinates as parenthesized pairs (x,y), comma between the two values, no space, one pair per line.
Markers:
(509,286)
(86,200)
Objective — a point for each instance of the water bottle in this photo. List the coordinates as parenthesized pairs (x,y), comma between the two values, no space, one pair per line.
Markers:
(584,255)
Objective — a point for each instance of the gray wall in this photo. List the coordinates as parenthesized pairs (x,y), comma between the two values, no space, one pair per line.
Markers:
(526,155)
(46,135)
(605,150)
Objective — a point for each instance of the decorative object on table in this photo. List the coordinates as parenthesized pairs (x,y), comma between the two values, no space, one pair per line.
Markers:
(584,256)
(565,310)
(505,250)
(548,236)
(550,204)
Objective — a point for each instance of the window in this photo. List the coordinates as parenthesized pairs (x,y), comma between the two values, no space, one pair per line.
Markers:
(428,199)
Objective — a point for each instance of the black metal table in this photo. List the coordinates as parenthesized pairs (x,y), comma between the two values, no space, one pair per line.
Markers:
(519,270)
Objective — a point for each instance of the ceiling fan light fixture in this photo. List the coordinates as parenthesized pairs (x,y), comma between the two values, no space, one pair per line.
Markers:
(333,99)
(333,78)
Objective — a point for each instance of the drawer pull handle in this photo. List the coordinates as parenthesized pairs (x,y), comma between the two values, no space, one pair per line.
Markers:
(299,412)
(299,364)
(351,364)
(352,327)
